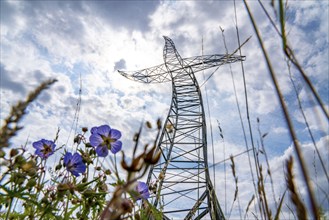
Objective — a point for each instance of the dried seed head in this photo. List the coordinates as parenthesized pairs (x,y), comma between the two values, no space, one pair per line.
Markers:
(127,206)
(108,172)
(151,157)
(161,176)
(148,124)
(136,164)
(77,139)
(159,124)
(13,152)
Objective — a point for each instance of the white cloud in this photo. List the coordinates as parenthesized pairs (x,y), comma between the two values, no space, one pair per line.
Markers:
(314,117)
(280,130)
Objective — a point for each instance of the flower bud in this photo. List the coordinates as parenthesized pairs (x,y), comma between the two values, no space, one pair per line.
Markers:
(161,175)
(62,187)
(169,128)
(103,188)
(19,160)
(2,154)
(136,136)
(126,206)
(88,145)
(58,167)
(32,182)
(13,152)
(17,178)
(92,152)
(159,124)
(77,139)
(32,172)
(108,172)
(74,201)
(148,124)
(27,166)
(45,200)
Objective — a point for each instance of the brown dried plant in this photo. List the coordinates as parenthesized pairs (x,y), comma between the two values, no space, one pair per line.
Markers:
(299,205)
(11,127)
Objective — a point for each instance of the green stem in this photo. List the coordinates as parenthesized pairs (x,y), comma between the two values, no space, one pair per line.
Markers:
(66,206)
(9,208)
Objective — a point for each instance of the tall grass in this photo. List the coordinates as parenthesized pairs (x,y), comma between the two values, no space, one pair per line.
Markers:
(262,200)
(287,116)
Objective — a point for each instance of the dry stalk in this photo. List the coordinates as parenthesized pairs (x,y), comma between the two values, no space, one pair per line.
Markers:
(11,127)
(293,135)
(249,203)
(299,205)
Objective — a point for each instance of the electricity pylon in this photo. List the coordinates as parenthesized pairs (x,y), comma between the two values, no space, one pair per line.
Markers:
(183,186)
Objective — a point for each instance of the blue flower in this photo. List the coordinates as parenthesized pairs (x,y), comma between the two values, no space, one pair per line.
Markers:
(44,148)
(74,163)
(103,138)
(143,190)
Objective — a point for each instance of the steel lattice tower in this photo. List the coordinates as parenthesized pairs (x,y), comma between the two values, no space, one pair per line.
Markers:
(186,190)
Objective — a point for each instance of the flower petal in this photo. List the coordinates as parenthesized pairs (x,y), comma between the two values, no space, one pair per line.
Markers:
(48,143)
(74,172)
(142,189)
(76,158)
(116,147)
(67,158)
(115,134)
(81,167)
(95,140)
(141,186)
(39,153)
(37,144)
(104,130)
(48,154)
(102,151)
(93,130)
(146,195)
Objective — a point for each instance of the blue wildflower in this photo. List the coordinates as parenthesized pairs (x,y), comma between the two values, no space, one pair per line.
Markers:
(143,190)
(74,163)
(44,148)
(103,138)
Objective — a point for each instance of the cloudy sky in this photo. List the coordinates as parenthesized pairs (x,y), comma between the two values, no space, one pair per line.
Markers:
(67,40)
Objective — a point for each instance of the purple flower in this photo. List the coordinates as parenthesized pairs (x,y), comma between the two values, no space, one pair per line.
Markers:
(44,148)
(104,139)
(74,163)
(143,190)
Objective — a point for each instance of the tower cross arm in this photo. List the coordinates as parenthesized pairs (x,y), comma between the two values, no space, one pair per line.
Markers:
(155,74)
(199,63)
(159,73)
